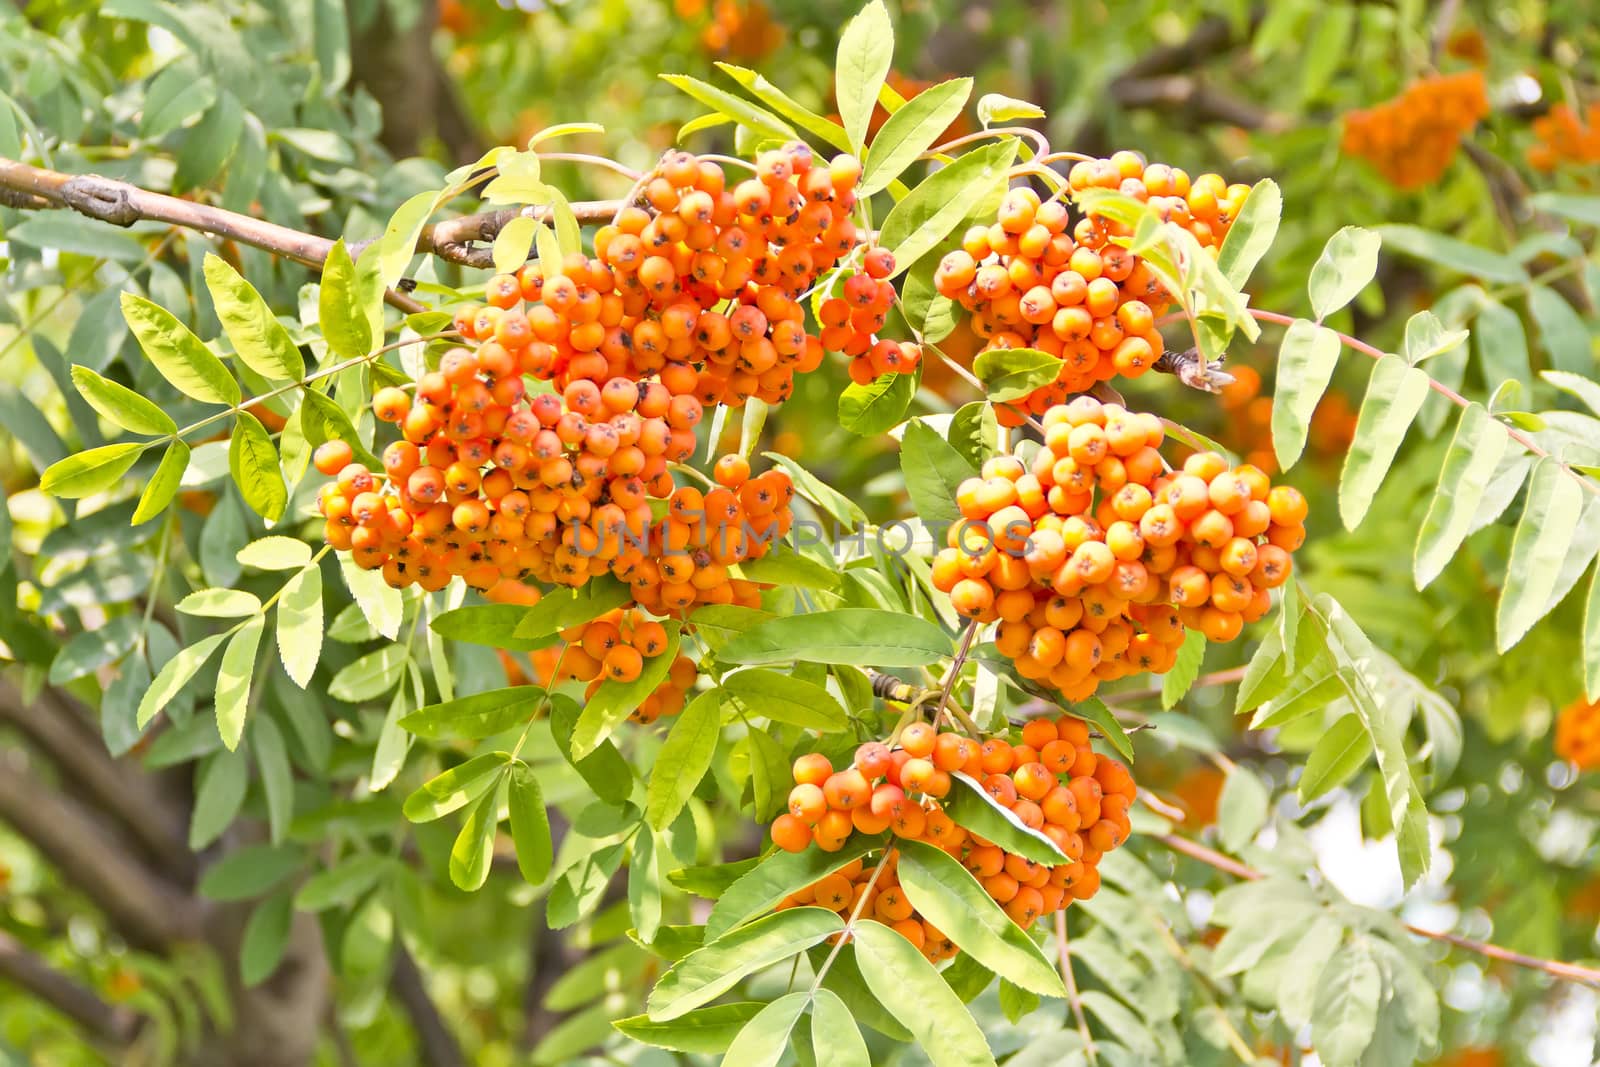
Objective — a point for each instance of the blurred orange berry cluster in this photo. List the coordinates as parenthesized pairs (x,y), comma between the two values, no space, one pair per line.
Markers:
(1564,138)
(1412,138)
(1578,734)
(1249,415)
(744,29)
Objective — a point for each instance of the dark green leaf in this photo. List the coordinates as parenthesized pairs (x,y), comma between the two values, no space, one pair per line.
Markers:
(877,406)
(683,759)
(781,873)
(1453,254)
(783,698)
(860,636)
(530,825)
(477,716)
(914,993)
(456,788)
(977,811)
(711,971)
(1013,373)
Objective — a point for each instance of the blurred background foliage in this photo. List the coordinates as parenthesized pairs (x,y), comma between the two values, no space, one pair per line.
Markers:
(324,116)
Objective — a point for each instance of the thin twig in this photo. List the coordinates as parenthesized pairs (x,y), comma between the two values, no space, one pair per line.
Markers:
(1227,677)
(1443,390)
(103,1021)
(1072,986)
(855,916)
(1572,972)
(955,671)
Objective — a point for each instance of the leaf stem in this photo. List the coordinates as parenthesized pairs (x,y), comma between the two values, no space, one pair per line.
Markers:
(855,917)
(1443,390)
(1572,972)
(1071,979)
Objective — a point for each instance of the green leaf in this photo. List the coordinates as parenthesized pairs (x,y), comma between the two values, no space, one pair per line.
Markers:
(933,470)
(210,143)
(1013,373)
(704,1031)
(866,48)
(163,484)
(614,701)
(254,464)
(277,777)
(258,338)
(275,553)
(783,698)
(455,788)
(1453,254)
(1584,210)
(530,825)
(1561,331)
(480,715)
(684,759)
(91,650)
(759,87)
(1184,670)
(608,775)
(1502,345)
(756,119)
(1252,233)
(511,247)
(947,895)
(1345,1012)
(172,677)
(1469,464)
(86,473)
(878,406)
(344,882)
(784,567)
(250,872)
(233,680)
(1241,808)
(343,302)
(399,241)
(494,625)
(1538,549)
(220,604)
(578,889)
(266,935)
(993,108)
(561,608)
(1395,393)
(1306,360)
(914,993)
(863,637)
(834,1036)
(1339,753)
(121,405)
(1094,710)
(473,852)
(911,131)
(779,874)
(180,356)
(173,97)
(323,419)
(933,210)
(711,971)
(1347,263)
(1426,337)
(765,1038)
(219,792)
(977,811)
(370,676)
(299,630)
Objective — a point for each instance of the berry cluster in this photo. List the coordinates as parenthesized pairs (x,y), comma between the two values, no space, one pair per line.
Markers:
(851,321)
(1094,558)
(698,287)
(1052,781)
(1034,279)
(1578,734)
(1412,138)
(1565,138)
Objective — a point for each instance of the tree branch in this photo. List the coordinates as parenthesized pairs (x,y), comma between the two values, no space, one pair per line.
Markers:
(453,239)
(150,911)
(1572,972)
(54,723)
(106,1022)
(122,204)
(437,1045)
